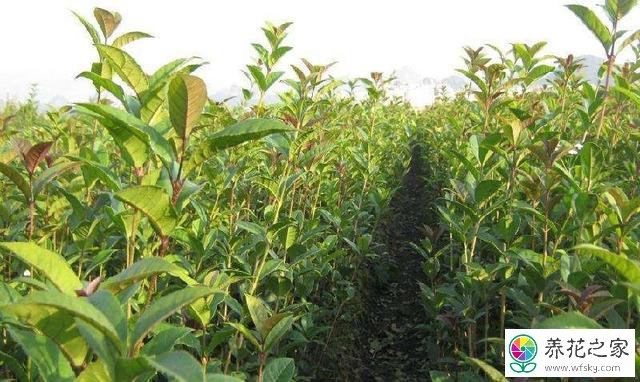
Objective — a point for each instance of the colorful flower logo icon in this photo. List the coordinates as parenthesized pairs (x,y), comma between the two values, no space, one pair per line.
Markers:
(523,349)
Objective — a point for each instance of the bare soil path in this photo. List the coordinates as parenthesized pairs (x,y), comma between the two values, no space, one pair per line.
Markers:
(389,345)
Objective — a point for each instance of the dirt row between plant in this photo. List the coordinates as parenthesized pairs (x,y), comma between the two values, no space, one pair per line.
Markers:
(387,342)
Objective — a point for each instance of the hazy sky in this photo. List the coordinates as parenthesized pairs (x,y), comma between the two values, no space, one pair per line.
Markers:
(43,43)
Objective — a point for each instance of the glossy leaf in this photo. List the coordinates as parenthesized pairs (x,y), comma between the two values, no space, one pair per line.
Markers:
(593,23)
(186,98)
(279,370)
(569,320)
(18,179)
(53,266)
(154,203)
(178,365)
(486,189)
(164,307)
(90,29)
(55,324)
(491,372)
(100,82)
(76,306)
(259,313)
(128,38)
(96,371)
(628,268)
(277,332)
(126,67)
(248,130)
(141,270)
(51,364)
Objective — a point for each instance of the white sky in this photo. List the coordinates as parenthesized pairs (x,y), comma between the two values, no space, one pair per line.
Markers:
(43,43)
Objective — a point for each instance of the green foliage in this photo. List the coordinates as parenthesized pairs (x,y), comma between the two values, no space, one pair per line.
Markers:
(161,232)
(541,209)
(157,231)
(593,23)
(154,203)
(53,266)
(187,96)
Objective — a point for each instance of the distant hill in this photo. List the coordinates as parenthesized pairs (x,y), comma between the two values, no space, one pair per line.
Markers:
(592,65)
(420,90)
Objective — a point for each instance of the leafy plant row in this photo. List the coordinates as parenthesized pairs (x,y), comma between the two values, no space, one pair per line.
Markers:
(154,231)
(540,219)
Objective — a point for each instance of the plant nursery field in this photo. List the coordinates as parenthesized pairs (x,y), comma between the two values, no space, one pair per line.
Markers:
(337,233)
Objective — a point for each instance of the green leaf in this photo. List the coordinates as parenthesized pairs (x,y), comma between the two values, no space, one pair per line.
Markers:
(485,189)
(631,96)
(18,179)
(164,340)
(76,306)
(153,102)
(142,269)
(106,83)
(278,331)
(155,203)
(617,9)
(628,268)
(125,129)
(99,343)
(569,320)
(128,38)
(251,129)
(50,264)
(247,130)
(493,374)
(129,369)
(126,67)
(57,325)
(164,307)
(96,371)
(187,96)
(103,173)
(178,365)
(51,173)
(272,78)
(259,313)
(14,366)
(253,228)
(279,370)
(87,25)
(538,72)
(292,235)
(630,40)
(8,294)
(166,71)
(440,376)
(222,378)
(51,364)
(246,333)
(269,267)
(258,77)
(109,305)
(476,80)
(593,23)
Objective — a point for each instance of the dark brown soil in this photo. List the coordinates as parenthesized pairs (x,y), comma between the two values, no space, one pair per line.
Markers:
(389,344)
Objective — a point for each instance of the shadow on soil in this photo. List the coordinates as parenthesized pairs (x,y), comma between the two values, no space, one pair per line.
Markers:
(384,342)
